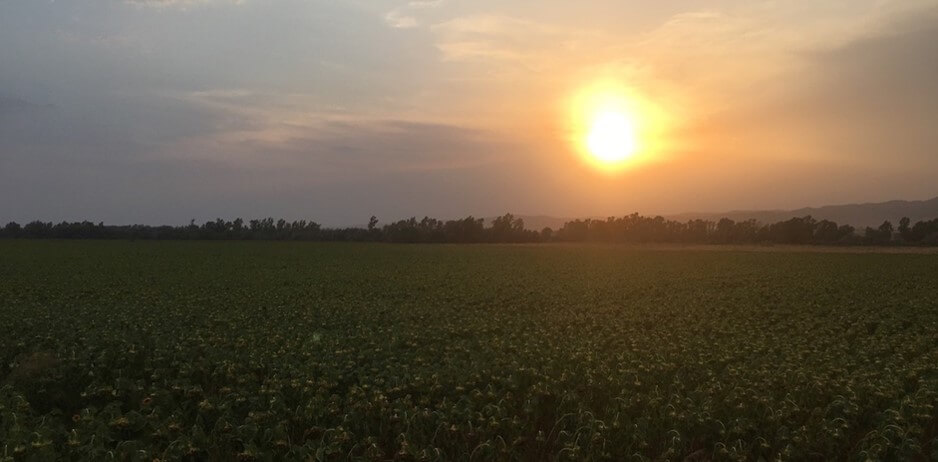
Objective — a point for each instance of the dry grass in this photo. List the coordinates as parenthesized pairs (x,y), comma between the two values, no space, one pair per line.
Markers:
(785,248)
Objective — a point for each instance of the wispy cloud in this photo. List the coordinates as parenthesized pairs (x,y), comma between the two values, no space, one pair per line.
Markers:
(425,102)
(290,135)
(403,17)
(180,3)
(398,20)
(505,40)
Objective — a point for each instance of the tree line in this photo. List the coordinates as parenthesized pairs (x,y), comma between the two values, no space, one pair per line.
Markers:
(797,230)
(507,228)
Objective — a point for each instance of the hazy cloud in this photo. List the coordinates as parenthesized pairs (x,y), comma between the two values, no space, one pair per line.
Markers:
(15,106)
(165,110)
(179,3)
(398,20)
(503,38)
(868,100)
(403,17)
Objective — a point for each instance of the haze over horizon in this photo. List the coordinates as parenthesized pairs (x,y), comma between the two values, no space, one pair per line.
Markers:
(158,111)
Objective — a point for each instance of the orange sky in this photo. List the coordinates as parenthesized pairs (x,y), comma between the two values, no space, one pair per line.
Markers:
(165,110)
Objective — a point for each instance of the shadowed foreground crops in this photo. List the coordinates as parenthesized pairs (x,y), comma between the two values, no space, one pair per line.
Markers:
(271,351)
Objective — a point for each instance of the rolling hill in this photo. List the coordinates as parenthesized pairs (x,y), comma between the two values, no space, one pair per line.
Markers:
(858,215)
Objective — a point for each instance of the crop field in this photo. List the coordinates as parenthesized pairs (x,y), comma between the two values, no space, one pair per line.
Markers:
(305,351)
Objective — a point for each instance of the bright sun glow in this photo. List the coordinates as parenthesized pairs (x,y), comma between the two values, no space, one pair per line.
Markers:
(611,137)
(615,128)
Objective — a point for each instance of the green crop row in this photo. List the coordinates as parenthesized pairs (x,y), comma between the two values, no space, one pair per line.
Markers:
(304,351)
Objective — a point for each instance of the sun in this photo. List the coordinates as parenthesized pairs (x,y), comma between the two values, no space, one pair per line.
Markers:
(611,137)
(614,127)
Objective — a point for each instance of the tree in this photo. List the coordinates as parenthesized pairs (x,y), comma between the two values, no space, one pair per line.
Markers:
(798,230)
(848,234)
(885,231)
(12,229)
(546,234)
(826,232)
(724,231)
(507,228)
(904,230)
(879,236)
(469,229)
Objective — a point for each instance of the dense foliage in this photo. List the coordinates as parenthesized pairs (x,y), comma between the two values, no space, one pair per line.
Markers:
(505,229)
(296,351)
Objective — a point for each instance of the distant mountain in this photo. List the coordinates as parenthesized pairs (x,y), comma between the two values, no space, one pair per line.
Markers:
(858,215)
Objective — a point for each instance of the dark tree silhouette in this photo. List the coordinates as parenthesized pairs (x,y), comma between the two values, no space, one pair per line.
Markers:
(879,236)
(507,228)
(905,232)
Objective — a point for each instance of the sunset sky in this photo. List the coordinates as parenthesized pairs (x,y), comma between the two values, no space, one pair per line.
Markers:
(161,111)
